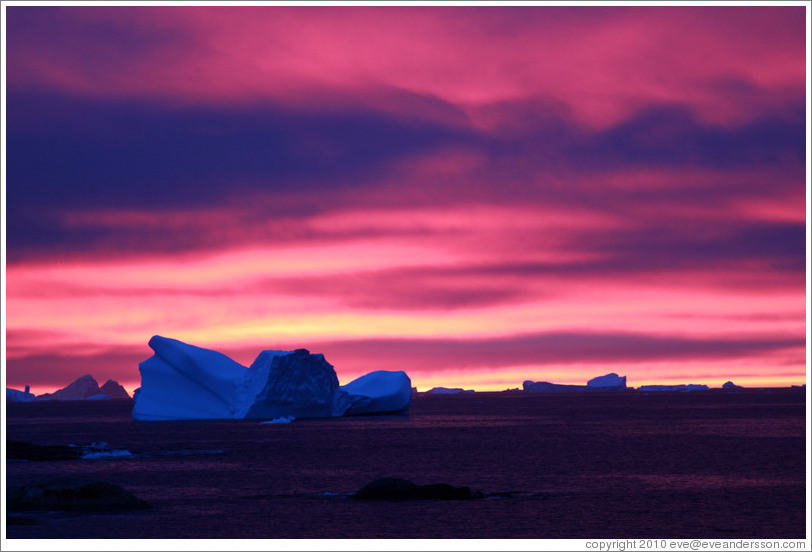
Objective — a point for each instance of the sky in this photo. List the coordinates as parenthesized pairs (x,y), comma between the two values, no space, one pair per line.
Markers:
(476,195)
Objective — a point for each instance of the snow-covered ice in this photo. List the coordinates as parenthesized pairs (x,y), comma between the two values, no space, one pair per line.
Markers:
(282,420)
(184,382)
(96,451)
(181,382)
(97,397)
(379,392)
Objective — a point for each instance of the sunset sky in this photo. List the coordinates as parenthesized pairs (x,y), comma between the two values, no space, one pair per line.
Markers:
(475,195)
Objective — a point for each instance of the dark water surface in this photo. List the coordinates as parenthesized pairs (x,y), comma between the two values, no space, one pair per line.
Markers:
(595,465)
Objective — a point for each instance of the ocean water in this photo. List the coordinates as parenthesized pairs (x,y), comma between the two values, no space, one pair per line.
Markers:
(593,465)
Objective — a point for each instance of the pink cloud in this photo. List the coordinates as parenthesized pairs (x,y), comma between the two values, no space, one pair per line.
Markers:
(727,64)
(491,235)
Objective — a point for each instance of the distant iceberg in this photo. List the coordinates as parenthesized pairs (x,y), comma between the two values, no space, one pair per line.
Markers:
(448,391)
(183,382)
(14,395)
(731,385)
(608,382)
(547,387)
(681,387)
(97,397)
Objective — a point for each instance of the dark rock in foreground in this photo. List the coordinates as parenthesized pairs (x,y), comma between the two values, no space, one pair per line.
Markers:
(18,450)
(73,495)
(392,488)
(20,520)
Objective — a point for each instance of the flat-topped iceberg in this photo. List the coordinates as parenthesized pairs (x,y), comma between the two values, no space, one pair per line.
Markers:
(449,391)
(685,387)
(547,387)
(608,382)
(183,382)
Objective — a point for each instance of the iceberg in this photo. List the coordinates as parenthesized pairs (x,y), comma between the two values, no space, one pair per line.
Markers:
(547,387)
(15,395)
(681,387)
(609,381)
(379,392)
(184,382)
(282,420)
(731,385)
(97,397)
(448,391)
(296,383)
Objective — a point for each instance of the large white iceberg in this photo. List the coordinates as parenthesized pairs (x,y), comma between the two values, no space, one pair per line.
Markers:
(182,382)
